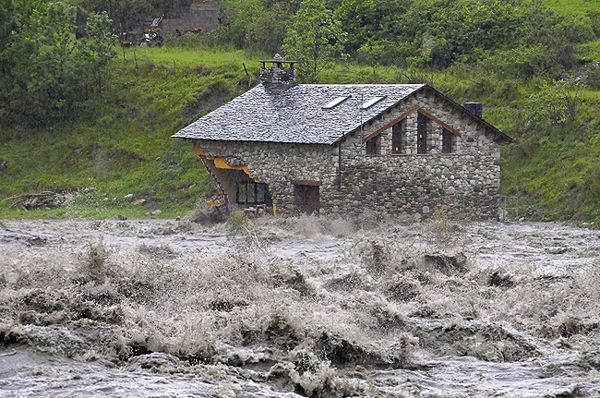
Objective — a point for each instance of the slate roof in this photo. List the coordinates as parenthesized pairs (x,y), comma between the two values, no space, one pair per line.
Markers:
(295,115)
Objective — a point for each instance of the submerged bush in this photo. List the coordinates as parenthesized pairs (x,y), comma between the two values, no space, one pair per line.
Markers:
(238,224)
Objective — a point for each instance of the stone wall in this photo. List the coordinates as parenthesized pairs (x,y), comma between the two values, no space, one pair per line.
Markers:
(274,164)
(465,182)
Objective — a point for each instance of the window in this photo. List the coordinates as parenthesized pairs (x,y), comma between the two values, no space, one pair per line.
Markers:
(422,131)
(261,193)
(335,102)
(367,104)
(251,193)
(448,142)
(241,192)
(373,146)
(399,137)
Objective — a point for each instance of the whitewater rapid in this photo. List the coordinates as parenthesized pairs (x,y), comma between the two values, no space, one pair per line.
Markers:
(299,307)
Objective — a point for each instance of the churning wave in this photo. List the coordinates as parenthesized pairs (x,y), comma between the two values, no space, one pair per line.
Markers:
(299,307)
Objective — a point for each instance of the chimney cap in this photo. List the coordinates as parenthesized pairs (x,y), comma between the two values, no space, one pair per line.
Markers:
(278,72)
(475,108)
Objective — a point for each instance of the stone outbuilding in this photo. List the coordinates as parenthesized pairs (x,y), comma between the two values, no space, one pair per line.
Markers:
(194,16)
(345,149)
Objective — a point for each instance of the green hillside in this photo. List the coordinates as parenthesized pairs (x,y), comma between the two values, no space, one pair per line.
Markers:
(117,158)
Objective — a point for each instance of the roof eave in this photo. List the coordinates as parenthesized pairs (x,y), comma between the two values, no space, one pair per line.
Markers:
(254,141)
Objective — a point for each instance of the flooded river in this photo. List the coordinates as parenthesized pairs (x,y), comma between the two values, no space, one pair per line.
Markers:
(298,307)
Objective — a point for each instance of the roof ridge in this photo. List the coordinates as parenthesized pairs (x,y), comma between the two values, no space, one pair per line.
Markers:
(362,85)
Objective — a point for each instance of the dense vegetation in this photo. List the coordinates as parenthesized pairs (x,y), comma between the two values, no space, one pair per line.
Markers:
(44,70)
(530,62)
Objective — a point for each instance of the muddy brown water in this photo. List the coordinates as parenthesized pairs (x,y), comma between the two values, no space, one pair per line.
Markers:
(299,307)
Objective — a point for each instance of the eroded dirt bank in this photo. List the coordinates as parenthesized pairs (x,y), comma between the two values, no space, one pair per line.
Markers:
(299,307)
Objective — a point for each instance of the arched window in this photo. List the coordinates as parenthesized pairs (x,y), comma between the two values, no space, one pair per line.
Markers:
(448,142)
(423,124)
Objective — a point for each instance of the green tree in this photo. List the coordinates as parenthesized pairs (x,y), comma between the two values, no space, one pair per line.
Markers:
(257,25)
(314,39)
(7,22)
(97,48)
(371,53)
(47,69)
(370,22)
(129,15)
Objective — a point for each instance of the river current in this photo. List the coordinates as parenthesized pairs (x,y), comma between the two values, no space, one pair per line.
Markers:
(298,307)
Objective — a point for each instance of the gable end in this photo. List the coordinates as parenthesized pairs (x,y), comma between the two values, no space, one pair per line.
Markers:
(500,137)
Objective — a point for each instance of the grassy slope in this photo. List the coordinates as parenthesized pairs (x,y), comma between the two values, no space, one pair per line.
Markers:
(121,142)
(562,173)
(573,6)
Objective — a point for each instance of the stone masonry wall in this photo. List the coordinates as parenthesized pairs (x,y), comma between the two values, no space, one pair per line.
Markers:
(465,182)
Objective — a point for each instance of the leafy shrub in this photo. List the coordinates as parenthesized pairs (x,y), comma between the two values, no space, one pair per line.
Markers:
(593,77)
(594,17)
(238,224)
(442,232)
(522,62)
(552,104)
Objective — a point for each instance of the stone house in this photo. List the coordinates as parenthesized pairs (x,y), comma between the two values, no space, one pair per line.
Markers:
(393,149)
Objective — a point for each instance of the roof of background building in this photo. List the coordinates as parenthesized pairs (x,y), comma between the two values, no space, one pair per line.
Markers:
(301,114)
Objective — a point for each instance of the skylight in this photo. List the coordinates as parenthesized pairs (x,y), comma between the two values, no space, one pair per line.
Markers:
(336,102)
(371,102)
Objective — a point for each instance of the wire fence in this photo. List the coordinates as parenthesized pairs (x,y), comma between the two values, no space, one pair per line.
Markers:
(515,208)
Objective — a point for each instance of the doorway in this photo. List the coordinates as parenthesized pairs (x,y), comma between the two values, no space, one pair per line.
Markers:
(308,198)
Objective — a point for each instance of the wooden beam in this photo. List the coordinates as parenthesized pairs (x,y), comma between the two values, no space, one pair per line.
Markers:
(312,183)
(390,124)
(438,121)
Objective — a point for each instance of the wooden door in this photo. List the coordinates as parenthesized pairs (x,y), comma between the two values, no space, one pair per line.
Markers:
(311,199)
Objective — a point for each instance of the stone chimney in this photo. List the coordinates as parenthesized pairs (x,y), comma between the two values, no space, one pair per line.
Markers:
(476,108)
(278,72)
